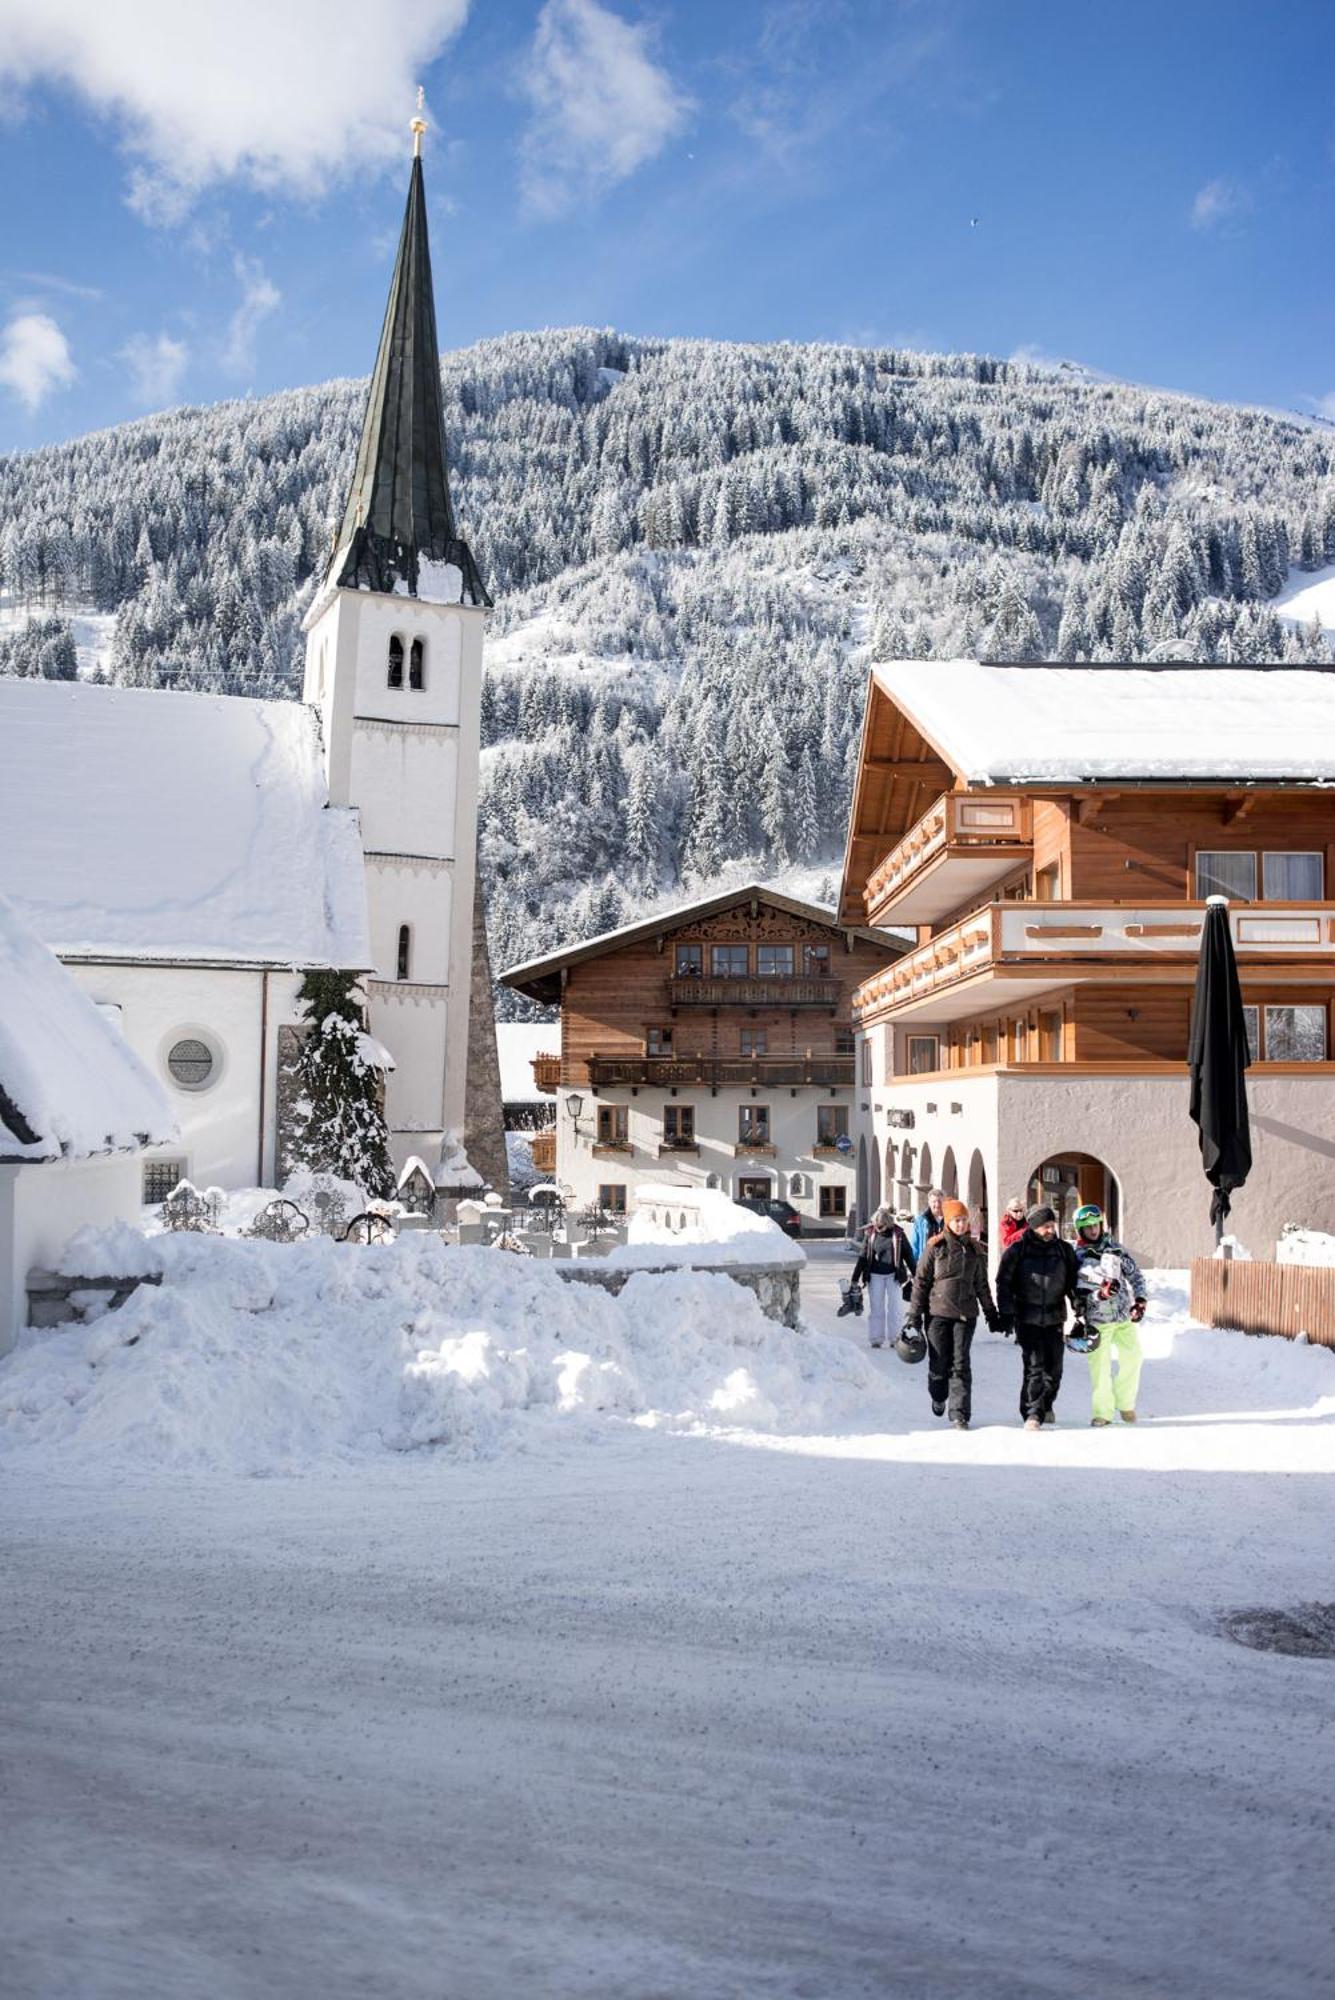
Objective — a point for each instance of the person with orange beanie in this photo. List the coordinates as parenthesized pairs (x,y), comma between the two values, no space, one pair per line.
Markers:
(950,1289)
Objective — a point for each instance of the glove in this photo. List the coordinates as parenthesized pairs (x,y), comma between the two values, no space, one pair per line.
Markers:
(1137,1312)
(906,1290)
(996,1324)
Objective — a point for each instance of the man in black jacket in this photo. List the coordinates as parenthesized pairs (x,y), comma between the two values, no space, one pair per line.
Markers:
(1035,1280)
(950,1289)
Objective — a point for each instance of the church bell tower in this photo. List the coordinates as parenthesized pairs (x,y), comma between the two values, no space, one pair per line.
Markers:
(394,665)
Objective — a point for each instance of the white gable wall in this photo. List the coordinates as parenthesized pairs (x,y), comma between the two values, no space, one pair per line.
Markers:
(43,1204)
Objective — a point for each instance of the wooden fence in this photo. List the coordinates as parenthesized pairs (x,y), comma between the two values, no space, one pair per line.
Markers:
(1287,1299)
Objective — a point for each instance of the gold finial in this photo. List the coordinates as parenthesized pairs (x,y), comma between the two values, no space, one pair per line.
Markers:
(417,125)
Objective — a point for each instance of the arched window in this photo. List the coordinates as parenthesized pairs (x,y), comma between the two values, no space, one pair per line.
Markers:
(394,678)
(405,950)
(417,665)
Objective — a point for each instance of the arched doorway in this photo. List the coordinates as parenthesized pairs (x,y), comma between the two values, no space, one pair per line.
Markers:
(891,1161)
(950,1178)
(905,1188)
(875,1189)
(978,1197)
(862,1179)
(1066,1180)
(924,1175)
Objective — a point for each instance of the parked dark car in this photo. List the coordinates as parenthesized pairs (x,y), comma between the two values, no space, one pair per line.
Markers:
(788,1218)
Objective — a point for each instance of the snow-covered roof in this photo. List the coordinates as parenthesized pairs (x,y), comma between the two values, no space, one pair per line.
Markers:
(70,1084)
(1005,725)
(517,1043)
(143,823)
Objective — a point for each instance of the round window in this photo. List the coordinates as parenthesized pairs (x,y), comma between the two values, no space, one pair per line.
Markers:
(191,1063)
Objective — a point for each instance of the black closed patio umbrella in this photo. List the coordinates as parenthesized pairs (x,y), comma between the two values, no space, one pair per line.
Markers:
(1218,1057)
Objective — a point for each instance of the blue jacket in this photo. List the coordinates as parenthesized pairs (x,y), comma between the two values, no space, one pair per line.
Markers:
(924,1229)
(1124,1288)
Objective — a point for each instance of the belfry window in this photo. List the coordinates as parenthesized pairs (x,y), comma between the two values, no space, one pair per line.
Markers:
(405,950)
(417,665)
(394,678)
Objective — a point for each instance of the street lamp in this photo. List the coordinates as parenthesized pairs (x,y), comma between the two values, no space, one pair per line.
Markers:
(574,1105)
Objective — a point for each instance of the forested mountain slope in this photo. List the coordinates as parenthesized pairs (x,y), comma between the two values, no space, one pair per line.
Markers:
(694,549)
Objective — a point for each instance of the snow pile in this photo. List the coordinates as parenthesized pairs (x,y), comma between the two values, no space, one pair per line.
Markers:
(1312,596)
(258,1358)
(175,824)
(70,1084)
(998,724)
(678,1223)
(1304,1246)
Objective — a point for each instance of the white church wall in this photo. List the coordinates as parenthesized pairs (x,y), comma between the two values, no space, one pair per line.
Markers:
(220,1124)
(404,786)
(413,1025)
(440,630)
(42,1205)
(419,894)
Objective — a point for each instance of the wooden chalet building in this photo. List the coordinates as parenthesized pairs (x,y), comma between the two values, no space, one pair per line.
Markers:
(1050,835)
(712,1043)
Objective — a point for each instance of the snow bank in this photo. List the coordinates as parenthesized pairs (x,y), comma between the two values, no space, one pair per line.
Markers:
(1311,595)
(1304,1246)
(260,1358)
(688,1225)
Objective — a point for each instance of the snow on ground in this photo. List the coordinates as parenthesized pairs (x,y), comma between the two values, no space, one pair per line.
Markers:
(878,1708)
(94,631)
(1311,595)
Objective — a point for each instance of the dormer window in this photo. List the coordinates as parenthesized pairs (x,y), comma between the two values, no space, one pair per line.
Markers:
(405,950)
(417,666)
(394,678)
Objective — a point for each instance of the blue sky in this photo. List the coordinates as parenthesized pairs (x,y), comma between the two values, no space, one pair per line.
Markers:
(203,200)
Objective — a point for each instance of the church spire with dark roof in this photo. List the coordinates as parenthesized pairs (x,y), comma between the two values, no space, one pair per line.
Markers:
(398,533)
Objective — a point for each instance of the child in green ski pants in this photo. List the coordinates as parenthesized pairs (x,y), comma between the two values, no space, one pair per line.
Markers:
(1112,1292)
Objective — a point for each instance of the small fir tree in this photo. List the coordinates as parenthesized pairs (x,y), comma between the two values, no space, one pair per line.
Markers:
(338,1125)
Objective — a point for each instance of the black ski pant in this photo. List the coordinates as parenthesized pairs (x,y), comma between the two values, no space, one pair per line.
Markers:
(949,1369)
(1044,1350)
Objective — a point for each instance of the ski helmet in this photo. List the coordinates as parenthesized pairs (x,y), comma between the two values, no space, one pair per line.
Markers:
(1083,1339)
(1089,1217)
(911,1345)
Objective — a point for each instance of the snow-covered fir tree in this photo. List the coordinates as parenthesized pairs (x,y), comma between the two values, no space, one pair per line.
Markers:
(337,1123)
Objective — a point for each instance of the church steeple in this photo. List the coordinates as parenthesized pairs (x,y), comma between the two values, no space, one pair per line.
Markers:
(398,534)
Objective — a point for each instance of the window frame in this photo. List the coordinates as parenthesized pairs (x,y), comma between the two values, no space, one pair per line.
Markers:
(1316,854)
(180,1171)
(688,961)
(909,1066)
(833,1201)
(658,1041)
(682,1118)
(1269,1007)
(396,656)
(717,971)
(1202,891)
(612,1197)
(831,1124)
(754,1036)
(781,971)
(753,1114)
(816,961)
(617,1118)
(417,666)
(177,1038)
(404,955)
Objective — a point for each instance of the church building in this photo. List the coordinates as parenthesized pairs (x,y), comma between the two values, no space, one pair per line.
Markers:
(188,857)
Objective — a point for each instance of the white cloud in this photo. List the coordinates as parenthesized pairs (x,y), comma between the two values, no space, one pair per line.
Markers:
(288,96)
(259,297)
(155,368)
(601,105)
(1217,202)
(34,358)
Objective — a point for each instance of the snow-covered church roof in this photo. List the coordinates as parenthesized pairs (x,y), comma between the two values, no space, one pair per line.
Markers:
(70,1084)
(1072,725)
(145,824)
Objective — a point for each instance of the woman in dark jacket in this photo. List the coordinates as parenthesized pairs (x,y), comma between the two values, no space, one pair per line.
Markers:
(1036,1280)
(950,1289)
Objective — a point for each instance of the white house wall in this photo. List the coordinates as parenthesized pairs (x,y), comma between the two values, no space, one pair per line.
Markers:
(42,1206)
(792,1132)
(1137,1126)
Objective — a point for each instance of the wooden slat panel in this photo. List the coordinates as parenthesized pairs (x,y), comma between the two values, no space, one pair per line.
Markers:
(1284,1299)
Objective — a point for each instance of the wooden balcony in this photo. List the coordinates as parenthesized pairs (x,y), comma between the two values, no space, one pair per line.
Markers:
(544,1152)
(1009,953)
(752,991)
(712,1072)
(962,847)
(547,1073)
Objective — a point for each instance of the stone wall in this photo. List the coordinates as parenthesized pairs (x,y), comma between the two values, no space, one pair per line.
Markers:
(777,1287)
(484,1124)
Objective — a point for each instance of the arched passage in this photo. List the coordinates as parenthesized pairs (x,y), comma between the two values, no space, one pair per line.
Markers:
(862,1179)
(950,1178)
(875,1189)
(891,1162)
(1066,1180)
(977,1197)
(925,1182)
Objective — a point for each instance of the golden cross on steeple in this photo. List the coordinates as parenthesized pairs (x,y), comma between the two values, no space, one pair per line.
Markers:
(417,125)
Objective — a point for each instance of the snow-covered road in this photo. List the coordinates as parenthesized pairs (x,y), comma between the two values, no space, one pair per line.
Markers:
(634,1714)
